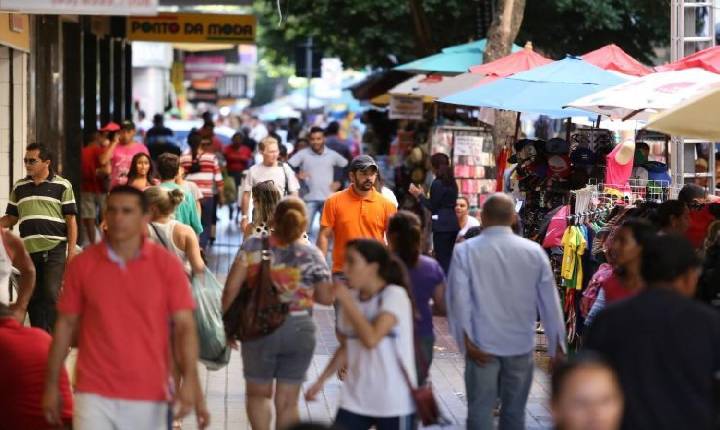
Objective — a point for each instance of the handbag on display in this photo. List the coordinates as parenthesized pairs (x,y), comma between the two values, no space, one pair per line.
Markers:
(257,310)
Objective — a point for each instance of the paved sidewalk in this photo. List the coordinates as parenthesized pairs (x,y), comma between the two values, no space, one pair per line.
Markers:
(224,389)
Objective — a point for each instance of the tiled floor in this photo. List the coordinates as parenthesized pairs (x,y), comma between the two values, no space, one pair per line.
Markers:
(224,389)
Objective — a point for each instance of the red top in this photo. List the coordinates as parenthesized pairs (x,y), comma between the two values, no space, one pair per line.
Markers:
(700,220)
(24,352)
(125,311)
(616,174)
(237,159)
(614,289)
(90,161)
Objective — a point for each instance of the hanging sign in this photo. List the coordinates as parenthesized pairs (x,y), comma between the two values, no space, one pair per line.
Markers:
(15,31)
(82,7)
(192,28)
(406,107)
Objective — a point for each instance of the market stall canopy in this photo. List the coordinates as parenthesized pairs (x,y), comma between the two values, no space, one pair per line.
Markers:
(707,59)
(414,85)
(452,60)
(697,117)
(520,61)
(612,57)
(544,90)
(377,84)
(640,98)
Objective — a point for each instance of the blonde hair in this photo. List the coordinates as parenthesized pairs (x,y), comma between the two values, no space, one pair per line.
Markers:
(165,201)
(290,221)
(269,140)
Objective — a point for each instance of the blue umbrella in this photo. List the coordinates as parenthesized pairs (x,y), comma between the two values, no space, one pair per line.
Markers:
(543,90)
(451,60)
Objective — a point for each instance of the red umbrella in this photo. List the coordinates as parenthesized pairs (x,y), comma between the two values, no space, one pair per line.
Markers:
(612,57)
(519,61)
(708,59)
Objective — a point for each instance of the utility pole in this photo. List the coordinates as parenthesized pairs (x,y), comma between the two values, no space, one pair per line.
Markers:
(308,74)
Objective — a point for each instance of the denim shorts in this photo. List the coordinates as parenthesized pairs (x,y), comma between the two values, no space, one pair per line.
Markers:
(284,355)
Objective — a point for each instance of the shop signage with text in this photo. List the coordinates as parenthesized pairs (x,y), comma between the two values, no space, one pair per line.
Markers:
(193,28)
(406,107)
(82,7)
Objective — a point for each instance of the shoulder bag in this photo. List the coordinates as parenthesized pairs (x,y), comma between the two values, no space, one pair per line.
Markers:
(257,311)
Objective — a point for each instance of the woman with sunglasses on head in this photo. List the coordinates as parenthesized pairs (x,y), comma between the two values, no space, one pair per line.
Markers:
(141,174)
(265,197)
(375,329)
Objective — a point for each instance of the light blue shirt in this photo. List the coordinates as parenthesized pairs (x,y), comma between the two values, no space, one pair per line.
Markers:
(497,285)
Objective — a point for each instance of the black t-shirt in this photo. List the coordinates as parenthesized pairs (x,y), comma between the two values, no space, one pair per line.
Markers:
(666,351)
(159,135)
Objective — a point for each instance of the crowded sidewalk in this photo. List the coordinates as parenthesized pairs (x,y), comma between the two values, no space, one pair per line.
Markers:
(225,392)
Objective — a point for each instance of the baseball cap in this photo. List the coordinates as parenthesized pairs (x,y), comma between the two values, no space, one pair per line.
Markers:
(362,162)
(110,127)
(128,125)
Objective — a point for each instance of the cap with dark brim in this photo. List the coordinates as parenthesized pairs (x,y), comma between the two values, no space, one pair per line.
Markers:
(362,162)
(128,125)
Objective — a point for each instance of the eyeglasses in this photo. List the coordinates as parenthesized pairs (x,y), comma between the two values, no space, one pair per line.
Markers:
(30,161)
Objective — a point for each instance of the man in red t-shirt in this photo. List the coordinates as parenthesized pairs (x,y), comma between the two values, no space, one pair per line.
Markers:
(92,197)
(24,352)
(120,298)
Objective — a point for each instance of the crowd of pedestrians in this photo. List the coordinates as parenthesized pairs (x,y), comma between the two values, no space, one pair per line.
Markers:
(650,355)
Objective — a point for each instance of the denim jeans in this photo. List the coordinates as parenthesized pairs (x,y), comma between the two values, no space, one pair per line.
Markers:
(49,270)
(207,204)
(313,207)
(511,378)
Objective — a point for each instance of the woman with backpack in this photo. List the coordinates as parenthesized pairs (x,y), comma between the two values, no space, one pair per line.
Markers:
(274,365)
(375,328)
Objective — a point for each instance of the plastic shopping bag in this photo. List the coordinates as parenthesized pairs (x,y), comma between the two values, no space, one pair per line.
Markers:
(207,292)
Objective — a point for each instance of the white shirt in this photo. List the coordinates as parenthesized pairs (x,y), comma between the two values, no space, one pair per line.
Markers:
(5,271)
(470,223)
(388,194)
(280,175)
(375,385)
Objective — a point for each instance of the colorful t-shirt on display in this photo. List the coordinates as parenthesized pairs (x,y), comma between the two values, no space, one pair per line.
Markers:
(574,245)
(121,159)
(295,269)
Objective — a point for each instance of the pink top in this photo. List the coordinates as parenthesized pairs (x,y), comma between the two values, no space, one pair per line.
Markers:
(617,175)
(120,161)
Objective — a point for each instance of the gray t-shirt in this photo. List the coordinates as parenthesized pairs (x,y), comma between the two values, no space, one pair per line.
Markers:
(319,167)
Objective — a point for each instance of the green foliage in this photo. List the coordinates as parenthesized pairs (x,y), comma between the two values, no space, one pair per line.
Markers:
(365,32)
(559,27)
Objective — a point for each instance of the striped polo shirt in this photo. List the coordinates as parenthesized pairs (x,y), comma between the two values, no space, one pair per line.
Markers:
(41,211)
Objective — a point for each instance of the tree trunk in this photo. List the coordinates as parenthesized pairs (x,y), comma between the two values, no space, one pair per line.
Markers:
(423,38)
(503,31)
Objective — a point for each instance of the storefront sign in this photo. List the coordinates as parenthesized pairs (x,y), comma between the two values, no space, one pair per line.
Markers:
(82,7)
(15,31)
(406,107)
(193,28)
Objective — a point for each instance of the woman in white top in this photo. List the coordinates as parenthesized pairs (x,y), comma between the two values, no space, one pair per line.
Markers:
(375,328)
(14,254)
(176,237)
(462,206)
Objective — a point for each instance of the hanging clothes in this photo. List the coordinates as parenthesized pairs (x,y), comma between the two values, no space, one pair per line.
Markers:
(574,245)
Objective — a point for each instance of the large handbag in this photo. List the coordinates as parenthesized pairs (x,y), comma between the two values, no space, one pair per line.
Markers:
(257,311)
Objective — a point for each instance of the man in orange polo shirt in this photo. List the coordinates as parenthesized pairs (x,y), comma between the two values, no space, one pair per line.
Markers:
(359,211)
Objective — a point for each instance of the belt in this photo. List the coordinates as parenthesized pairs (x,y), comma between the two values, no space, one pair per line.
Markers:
(301,313)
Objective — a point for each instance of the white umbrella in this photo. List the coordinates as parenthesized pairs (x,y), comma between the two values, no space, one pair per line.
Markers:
(639,99)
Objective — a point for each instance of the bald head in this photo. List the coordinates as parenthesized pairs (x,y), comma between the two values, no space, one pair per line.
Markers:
(498,210)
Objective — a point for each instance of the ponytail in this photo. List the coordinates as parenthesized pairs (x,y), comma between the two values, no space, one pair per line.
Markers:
(390,268)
